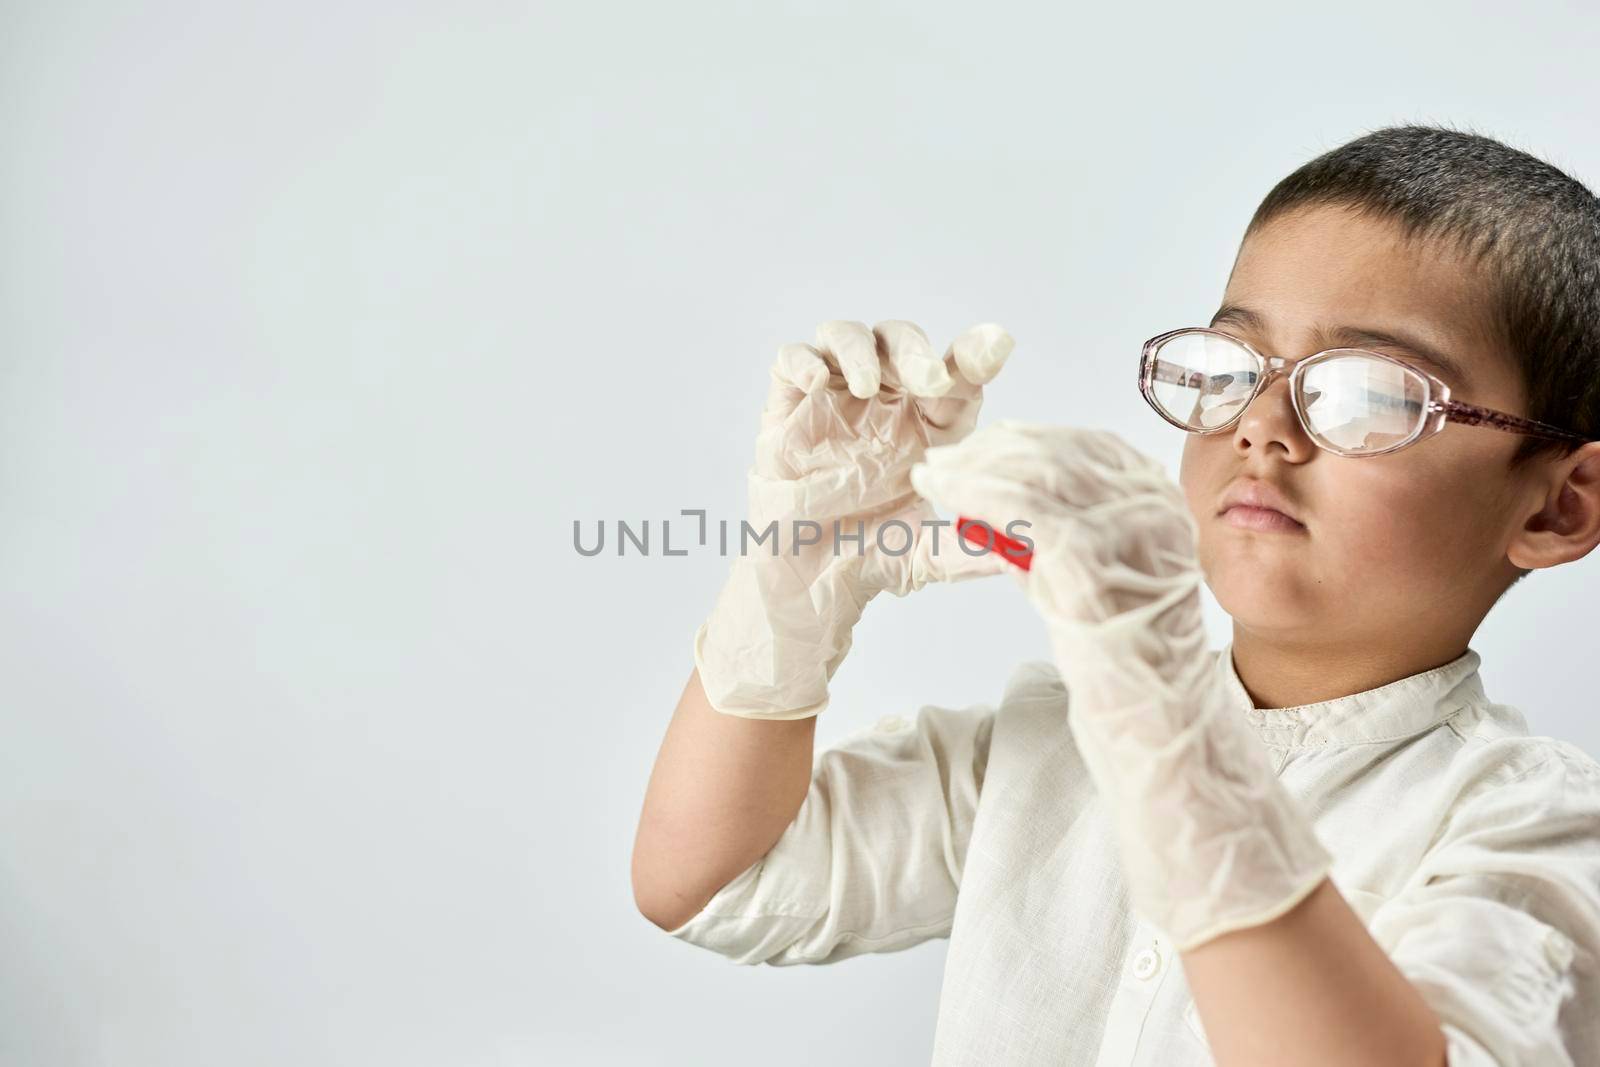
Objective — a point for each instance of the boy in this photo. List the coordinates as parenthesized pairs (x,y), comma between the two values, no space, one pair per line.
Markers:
(1357,855)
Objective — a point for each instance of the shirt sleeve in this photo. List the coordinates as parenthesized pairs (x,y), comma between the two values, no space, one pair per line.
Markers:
(873,858)
(1500,928)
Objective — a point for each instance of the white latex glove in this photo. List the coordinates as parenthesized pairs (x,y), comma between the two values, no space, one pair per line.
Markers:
(1209,838)
(845,419)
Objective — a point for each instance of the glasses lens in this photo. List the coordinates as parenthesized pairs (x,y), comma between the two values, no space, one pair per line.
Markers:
(1201,380)
(1356,403)
(1353,402)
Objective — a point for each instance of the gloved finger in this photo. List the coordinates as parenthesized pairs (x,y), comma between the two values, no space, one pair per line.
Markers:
(1046,443)
(999,450)
(980,351)
(953,559)
(1032,435)
(855,349)
(998,501)
(1104,448)
(799,371)
(972,360)
(910,356)
(1078,466)
(801,366)
(985,447)
(1144,521)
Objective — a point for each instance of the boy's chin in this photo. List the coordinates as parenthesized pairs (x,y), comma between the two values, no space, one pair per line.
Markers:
(1261,596)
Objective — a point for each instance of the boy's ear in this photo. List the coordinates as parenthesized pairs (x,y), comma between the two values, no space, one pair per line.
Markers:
(1568,526)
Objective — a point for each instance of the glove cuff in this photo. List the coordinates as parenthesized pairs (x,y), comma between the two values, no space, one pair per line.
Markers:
(762,653)
(1210,839)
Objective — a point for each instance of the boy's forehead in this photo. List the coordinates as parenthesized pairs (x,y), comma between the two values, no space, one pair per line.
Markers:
(1332,267)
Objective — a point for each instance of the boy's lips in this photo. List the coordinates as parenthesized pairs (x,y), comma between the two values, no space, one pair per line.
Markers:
(1256,504)
(1249,518)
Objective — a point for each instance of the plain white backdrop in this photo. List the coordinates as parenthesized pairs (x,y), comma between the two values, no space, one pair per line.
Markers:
(321,324)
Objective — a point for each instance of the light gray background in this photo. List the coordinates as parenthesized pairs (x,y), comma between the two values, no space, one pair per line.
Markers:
(319,326)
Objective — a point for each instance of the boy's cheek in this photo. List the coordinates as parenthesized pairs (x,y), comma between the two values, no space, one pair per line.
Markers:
(1199,476)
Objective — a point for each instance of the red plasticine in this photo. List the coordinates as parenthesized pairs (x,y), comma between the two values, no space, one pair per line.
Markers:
(987,536)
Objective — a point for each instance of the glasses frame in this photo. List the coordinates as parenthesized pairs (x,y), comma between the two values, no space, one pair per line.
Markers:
(1438,408)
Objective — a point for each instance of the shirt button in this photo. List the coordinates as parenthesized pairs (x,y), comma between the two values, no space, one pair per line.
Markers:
(1146,963)
(890,723)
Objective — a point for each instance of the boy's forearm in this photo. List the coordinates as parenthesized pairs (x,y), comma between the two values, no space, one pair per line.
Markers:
(1310,988)
(723,790)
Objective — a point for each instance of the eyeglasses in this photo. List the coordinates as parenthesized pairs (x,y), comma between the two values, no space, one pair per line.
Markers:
(1350,401)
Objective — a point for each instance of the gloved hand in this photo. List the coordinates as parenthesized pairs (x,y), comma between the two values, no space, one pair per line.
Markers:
(1209,838)
(845,419)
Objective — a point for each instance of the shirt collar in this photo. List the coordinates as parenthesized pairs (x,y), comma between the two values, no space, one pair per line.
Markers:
(1393,711)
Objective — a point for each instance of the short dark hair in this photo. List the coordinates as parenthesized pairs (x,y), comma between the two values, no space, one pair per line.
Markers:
(1531,228)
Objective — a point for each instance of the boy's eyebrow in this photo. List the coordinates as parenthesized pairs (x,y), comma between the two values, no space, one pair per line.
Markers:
(1357,336)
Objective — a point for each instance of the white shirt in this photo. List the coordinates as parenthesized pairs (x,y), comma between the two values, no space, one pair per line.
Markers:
(1470,849)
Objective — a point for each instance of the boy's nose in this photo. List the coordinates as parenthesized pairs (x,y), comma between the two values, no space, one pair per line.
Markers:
(1276,419)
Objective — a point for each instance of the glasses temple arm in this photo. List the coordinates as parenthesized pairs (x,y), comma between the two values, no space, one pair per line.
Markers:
(1473,415)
